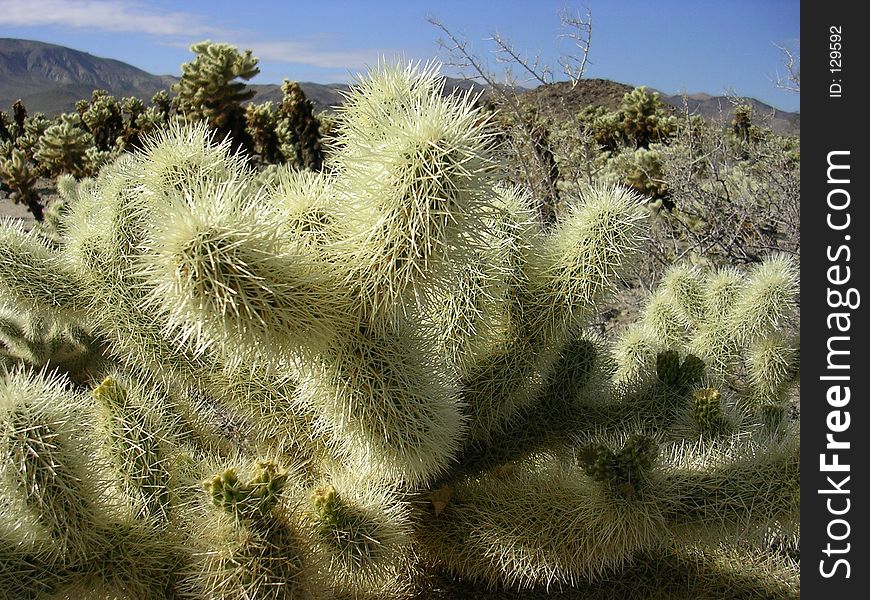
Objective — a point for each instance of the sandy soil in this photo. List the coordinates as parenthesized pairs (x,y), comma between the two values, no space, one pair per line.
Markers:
(15,211)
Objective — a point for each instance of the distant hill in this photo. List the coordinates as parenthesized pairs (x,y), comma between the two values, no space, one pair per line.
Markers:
(51,78)
(722,107)
(603,92)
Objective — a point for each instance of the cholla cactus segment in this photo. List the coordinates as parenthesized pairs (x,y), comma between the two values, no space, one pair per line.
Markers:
(635,353)
(663,316)
(581,529)
(181,156)
(693,572)
(229,278)
(30,271)
(420,205)
(503,383)
(771,364)
(137,442)
(384,95)
(387,401)
(48,472)
(683,285)
(767,302)
(732,489)
(721,290)
(587,252)
(363,536)
(241,560)
(477,315)
(33,340)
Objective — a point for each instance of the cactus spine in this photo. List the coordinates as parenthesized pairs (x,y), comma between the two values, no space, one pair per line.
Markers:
(280,421)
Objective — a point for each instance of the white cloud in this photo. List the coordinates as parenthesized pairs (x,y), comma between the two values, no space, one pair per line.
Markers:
(103,15)
(178,29)
(310,54)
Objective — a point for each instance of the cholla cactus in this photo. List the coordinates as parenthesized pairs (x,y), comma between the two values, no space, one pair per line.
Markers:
(63,148)
(103,118)
(261,120)
(329,384)
(208,89)
(297,129)
(19,176)
(741,325)
(29,129)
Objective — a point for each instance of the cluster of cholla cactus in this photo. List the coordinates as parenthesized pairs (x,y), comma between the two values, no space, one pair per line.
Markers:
(288,135)
(359,382)
(715,316)
(104,127)
(77,143)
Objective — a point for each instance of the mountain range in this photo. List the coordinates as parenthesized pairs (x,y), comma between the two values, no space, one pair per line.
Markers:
(49,78)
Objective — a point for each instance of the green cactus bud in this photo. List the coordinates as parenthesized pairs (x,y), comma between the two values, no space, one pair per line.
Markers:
(250,500)
(707,410)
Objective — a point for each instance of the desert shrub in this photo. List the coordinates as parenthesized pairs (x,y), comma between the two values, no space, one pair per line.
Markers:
(735,201)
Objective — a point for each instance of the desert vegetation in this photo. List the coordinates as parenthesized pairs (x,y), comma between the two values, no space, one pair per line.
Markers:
(252,352)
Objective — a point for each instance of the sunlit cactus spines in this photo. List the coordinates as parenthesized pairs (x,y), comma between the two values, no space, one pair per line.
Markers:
(363,536)
(742,327)
(354,382)
(63,146)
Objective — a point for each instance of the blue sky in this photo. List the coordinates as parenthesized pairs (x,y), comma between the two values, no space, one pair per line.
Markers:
(672,45)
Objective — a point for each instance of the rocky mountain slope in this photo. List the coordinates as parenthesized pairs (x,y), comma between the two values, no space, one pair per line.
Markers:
(50,78)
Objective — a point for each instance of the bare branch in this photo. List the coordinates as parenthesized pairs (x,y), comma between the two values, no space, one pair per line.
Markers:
(579,29)
(461,57)
(507,54)
(792,80)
